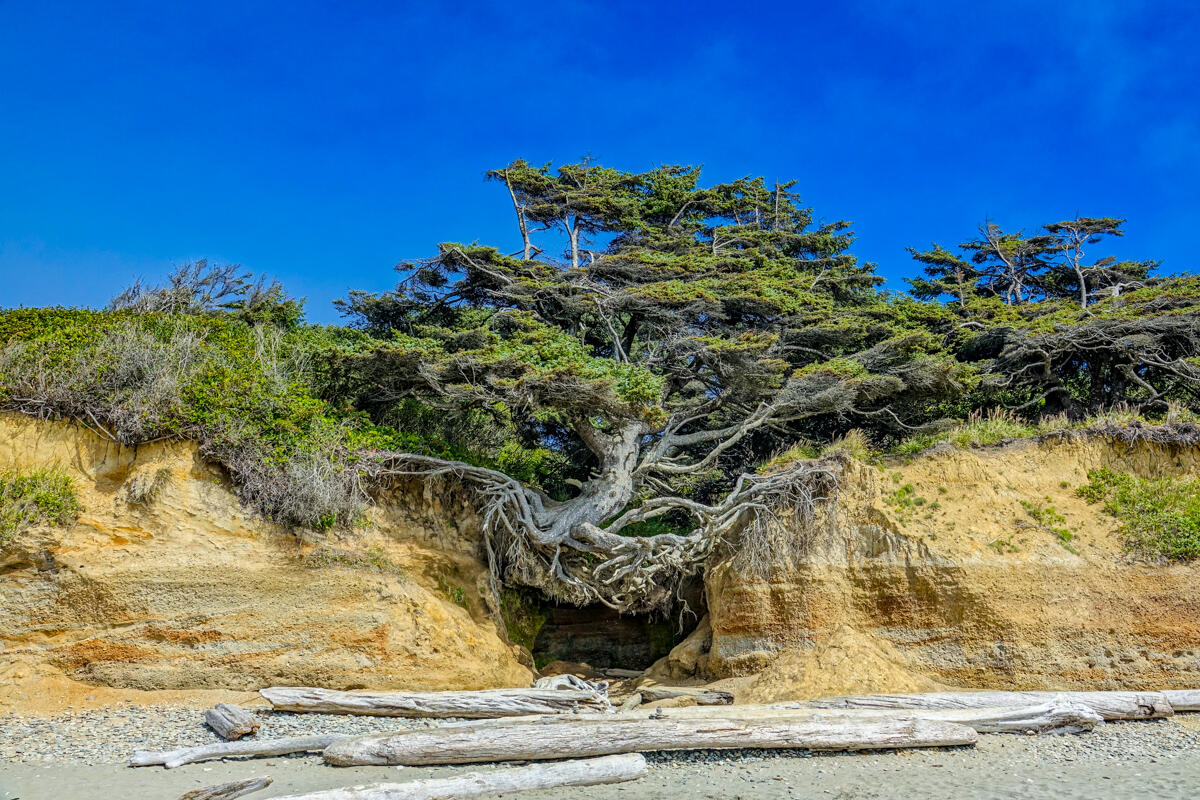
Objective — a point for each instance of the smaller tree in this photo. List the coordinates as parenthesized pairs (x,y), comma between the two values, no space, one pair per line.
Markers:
(1021,268)
(200,287)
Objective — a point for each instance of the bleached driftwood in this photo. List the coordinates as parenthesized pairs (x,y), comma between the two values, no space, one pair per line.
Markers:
(231,722)
(473,705)
(252,747)
(228,791)
(572,682)
(630,703)
(581,736)
(704,697)
(1056,716)
(577,772)
(1109,705)
(1183,699)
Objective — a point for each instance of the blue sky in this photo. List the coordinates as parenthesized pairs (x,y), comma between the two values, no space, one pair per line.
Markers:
(324,142)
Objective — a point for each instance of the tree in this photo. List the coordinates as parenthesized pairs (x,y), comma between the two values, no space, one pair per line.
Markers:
(713,322)
(1022,268)
(1056,330)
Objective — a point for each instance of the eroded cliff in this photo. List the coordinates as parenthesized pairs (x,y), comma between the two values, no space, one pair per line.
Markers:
(938,571)
(167,582)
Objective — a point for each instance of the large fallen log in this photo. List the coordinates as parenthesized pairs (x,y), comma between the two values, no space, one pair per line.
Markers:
(1109,705)
(228,791)
(231,722)
(250,747)
(704,697)
(578,772)
(603,735)
(1183,699)
(473,705)
(1054,716)
(1058,716)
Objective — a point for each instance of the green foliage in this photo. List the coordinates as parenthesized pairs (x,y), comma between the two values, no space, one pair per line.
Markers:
(1159,516)
(44,496)
(676,309)
(1049,519)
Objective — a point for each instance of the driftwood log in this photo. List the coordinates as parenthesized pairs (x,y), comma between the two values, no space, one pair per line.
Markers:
(1057,716)
(704,697)
(228,791)
(231,722)
(473,705)
(581,736)
(254,747)
(572,682)
(577,772)
(1109,705)
(1183,699)
(1053,716)
(630,703)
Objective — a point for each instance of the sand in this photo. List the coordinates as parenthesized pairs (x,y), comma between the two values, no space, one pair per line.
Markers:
(1142,760)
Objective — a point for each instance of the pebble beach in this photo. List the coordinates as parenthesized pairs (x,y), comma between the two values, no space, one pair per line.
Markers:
(78,756)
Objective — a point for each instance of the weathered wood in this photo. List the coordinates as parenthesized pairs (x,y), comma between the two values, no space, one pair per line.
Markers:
(1053,716)
(704,697)
(1183,699)
(253,747)
(631,702)
(603,735)
(572,682)
(231,722)
(1056,716)
(615,672)
(228,791)
(577,772)
(473,705)
(1109,705)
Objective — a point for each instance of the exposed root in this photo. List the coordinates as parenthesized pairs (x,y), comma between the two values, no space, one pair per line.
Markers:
(584,563)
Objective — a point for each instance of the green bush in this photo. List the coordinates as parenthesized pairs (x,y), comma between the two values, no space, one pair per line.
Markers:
(38,497)
(1159,516)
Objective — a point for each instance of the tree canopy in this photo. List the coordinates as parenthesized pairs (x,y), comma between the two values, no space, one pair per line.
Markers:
(610,390)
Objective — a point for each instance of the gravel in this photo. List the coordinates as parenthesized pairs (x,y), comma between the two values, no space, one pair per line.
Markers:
(112,735)
(109,736)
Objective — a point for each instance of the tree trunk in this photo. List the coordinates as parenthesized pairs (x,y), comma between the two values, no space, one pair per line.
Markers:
(255,747)
(228,791)
(231,722)
(526,245)
(580,772)
(472,705)
(601,735)
(1109,705)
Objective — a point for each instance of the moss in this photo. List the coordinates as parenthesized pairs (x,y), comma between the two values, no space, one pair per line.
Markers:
(374,559)
(523,616)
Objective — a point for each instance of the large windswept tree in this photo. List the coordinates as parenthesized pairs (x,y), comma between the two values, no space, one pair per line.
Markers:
(682,334)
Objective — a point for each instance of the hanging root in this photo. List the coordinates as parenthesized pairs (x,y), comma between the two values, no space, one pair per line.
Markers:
(589,564)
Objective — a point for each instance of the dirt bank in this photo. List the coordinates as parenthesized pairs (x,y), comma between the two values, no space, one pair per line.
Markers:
(167,583)
(936,570)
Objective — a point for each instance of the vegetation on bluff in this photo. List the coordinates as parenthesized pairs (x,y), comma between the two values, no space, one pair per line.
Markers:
(43,496)
(611,407)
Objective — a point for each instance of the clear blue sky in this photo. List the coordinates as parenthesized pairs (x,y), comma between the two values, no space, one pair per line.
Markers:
(324,142)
